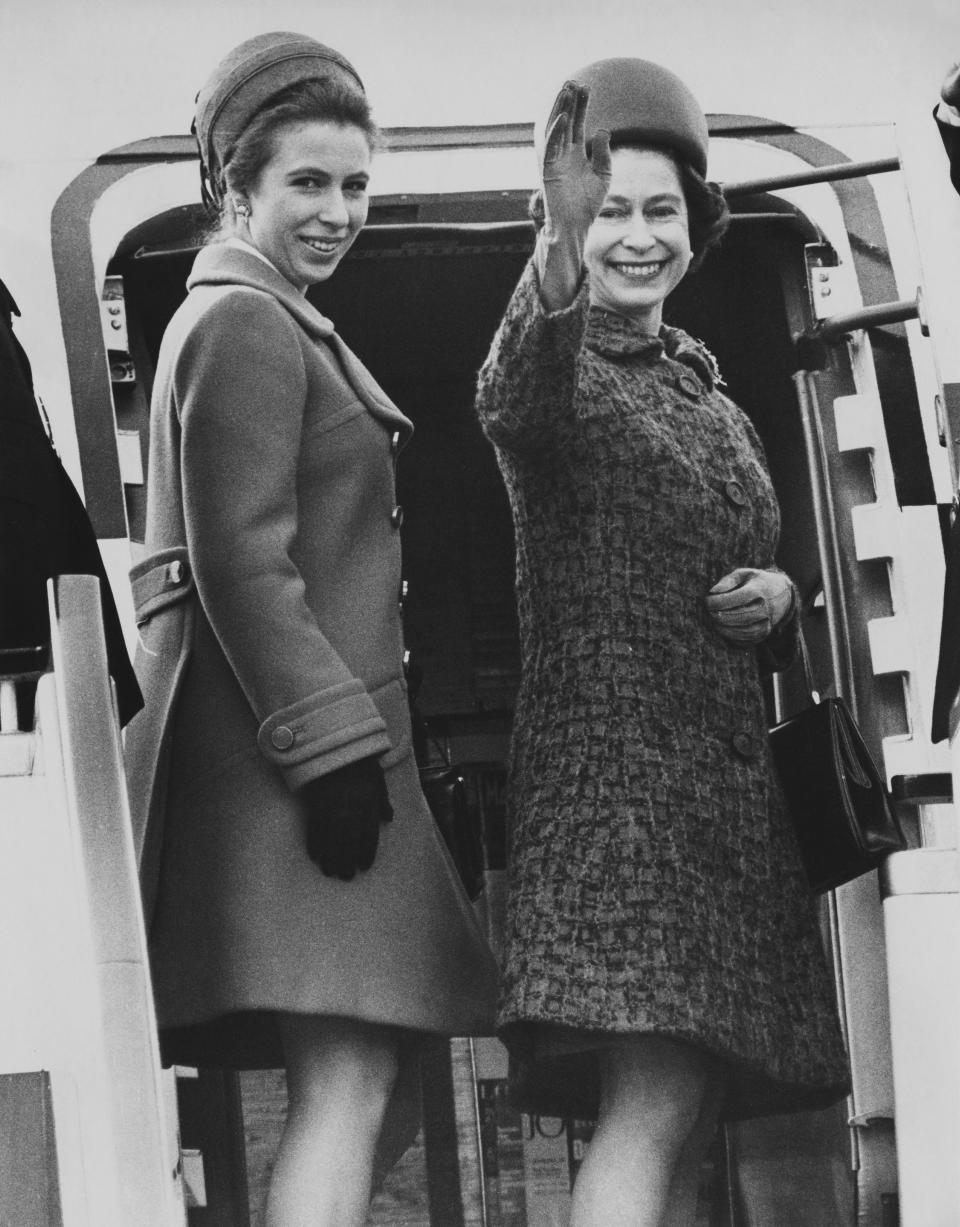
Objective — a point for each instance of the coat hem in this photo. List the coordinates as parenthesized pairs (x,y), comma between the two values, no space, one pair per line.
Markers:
(250,1038)
(554,1071)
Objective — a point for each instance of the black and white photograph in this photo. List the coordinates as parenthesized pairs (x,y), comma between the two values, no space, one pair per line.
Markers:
(479,613)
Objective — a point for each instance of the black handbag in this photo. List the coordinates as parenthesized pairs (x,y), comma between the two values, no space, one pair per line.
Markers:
(844,819)
(446,793)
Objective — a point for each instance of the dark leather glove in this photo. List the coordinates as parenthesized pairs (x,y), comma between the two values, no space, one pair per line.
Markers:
(344,811)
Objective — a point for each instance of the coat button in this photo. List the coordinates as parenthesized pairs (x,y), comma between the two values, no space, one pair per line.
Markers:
(687,383)
(396,516)
(746,745)
(282,737)
(735,493)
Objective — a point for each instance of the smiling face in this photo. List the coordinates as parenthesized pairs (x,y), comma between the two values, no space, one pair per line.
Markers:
(638,248)
(310,200)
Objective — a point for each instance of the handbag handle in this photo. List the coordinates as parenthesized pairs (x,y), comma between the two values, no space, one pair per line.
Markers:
(808,681)
(413,675)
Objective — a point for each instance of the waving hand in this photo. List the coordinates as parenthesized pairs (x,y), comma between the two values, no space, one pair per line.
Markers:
(574,186)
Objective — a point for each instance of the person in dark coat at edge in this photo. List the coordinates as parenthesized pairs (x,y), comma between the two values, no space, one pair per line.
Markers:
(947,115)
(302,908)
(663,962)
(947,687)
(44,532)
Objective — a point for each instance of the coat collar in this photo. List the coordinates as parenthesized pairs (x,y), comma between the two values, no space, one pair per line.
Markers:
(219,264)
(616,336)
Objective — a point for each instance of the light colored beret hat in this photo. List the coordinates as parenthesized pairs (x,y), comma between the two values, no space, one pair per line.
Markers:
(639,100)
(246,78)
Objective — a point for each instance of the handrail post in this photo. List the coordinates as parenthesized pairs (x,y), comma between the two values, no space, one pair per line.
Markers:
(827,544)
(97,802)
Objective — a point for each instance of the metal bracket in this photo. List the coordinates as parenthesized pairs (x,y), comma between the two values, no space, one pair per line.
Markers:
(822,263)
(113,318)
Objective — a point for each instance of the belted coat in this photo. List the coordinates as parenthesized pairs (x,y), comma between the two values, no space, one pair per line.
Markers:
(655,886)
(271,653)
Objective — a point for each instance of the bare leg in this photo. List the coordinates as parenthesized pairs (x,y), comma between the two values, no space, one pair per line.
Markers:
(652,1093)
(340,1073)
(682,1209)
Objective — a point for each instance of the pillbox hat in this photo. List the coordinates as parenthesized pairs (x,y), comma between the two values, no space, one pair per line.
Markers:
(638,100)
(246,78)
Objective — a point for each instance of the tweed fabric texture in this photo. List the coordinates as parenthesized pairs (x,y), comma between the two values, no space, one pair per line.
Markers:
(655,885)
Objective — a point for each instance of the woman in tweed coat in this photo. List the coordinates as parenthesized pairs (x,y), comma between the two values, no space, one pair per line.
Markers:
(302,907)
(663,958)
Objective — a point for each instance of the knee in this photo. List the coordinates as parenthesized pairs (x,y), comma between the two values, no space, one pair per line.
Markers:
(654,1094)
(368,1066)
(341,1066)
(665,1121)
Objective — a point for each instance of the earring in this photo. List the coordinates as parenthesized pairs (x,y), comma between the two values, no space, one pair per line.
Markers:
(242,209)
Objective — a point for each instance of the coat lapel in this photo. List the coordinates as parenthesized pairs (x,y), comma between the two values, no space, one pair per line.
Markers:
(223,265)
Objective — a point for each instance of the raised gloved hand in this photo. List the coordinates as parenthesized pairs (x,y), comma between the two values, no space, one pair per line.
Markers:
(950,90)
(746,605)
(574,185)
(344,811)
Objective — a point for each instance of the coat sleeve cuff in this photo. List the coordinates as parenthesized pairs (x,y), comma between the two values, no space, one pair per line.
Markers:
(324,731)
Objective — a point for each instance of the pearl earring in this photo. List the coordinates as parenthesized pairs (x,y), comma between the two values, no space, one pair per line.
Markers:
(242,209)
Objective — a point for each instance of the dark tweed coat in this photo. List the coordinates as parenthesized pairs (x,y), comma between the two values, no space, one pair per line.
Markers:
(271,654)
(654,882)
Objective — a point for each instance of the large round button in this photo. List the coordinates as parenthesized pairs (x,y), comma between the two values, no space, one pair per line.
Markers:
(282,737)
(396,516)
(746,745)
(687,383)
(735,493)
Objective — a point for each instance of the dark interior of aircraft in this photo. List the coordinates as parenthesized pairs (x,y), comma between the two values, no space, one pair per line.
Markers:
(419,301)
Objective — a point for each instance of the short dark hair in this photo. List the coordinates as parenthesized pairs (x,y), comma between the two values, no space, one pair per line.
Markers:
(707,214)
(332,100)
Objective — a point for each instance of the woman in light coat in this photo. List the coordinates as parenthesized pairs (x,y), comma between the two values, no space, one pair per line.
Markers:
(301,906)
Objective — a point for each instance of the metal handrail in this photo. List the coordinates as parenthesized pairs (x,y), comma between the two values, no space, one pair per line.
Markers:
(828,546)
(837,327)
(815,174)
(92,764)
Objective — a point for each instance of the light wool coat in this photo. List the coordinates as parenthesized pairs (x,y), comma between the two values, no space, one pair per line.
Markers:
(271,654)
